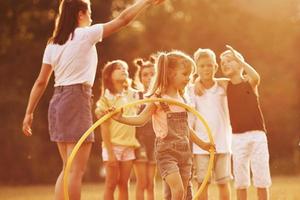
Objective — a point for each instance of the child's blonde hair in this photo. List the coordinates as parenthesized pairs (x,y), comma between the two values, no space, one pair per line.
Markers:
(164,64)
(229,52)
(107,71)
(200,53)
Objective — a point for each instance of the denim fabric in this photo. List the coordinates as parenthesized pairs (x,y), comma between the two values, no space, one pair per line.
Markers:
(69,114)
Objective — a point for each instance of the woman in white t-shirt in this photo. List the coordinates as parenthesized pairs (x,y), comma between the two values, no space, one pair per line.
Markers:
(72,55)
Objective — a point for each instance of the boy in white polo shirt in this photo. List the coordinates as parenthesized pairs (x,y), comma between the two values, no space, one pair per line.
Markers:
(209,99)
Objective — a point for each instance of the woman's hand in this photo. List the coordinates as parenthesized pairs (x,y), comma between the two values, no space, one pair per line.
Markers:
(27,122)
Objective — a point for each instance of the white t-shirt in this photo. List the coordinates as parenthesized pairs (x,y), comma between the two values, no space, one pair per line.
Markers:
(212,105)
(75,61)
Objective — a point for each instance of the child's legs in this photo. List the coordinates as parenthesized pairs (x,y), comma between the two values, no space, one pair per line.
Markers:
(169,170)
(76,171)
(186,174)
(224,191)
(241,194)
(176,185)
(201,163)
(174,162)
(166,191)
(263,193)
(241,150)
(223,175)
(112,170)
(184,171)
(140,170)
(151,171)
(117,173)
(189,191)
(125,169)
(260,165)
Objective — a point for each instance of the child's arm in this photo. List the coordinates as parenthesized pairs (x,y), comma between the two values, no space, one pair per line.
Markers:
(203,145)
(138,120)
(253,76)
(101,106)
(222,82)
(106,140)
(199,88)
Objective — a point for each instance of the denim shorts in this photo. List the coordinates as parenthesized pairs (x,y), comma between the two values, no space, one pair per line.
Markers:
(69,114)
(174,157)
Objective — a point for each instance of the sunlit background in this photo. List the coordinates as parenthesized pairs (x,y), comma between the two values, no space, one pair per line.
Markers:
(266,32)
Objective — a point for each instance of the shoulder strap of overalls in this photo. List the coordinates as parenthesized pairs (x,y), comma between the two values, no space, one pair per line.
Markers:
(142,107)
(163,105)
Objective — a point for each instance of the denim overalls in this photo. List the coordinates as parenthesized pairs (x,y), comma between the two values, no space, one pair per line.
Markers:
(173,153)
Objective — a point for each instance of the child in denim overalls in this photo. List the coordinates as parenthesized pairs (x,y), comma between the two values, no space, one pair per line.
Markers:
(170,123)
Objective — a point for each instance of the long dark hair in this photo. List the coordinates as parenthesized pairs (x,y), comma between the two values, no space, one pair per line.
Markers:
(66,20)
(107,71)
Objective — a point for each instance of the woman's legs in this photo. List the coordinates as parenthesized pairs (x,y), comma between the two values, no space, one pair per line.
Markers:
(76,171)
(58,192)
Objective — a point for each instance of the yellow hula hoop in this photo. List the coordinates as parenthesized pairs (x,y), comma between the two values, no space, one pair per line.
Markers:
(109,115)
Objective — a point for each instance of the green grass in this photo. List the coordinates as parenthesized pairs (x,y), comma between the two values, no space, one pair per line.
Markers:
(283,188)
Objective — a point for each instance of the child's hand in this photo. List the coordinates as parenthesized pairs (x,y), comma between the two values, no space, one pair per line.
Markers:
(199,88)
(101,113)
(118,115)
(112,160)
(234,53)
(208,147)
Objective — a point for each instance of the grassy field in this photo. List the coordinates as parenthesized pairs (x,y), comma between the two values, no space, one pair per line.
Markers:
(283,188)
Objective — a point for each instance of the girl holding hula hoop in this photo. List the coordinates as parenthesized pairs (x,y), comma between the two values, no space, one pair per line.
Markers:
(170,123)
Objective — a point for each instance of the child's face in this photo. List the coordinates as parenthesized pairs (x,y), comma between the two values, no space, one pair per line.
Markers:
(206,68)
(120,73)
(181,77)
(229,66)
(146,76)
